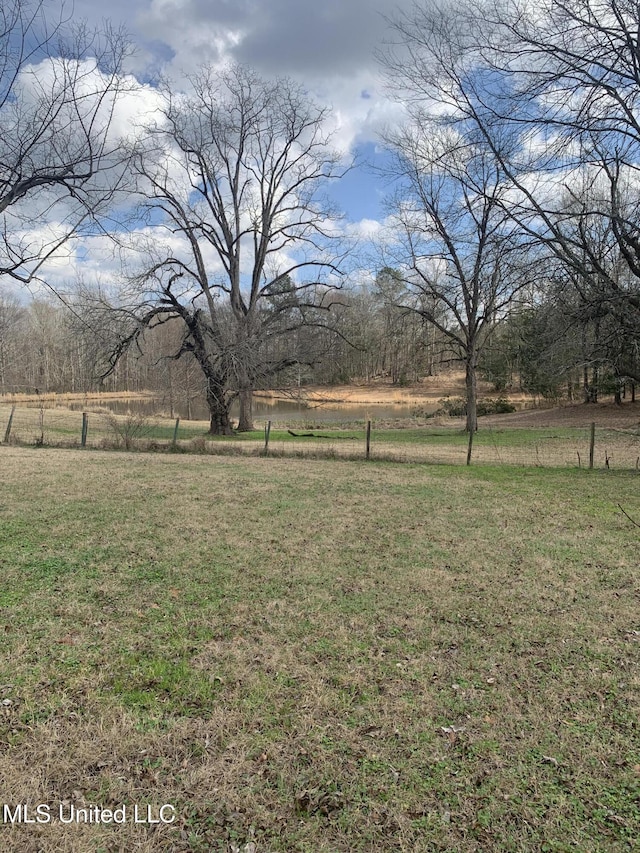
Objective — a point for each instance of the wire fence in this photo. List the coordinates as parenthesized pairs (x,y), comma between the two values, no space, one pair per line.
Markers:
(576,447)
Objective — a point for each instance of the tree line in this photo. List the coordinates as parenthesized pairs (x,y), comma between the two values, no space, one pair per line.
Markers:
(512,241)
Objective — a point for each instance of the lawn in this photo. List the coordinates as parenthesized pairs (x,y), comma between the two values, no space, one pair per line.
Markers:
(318,656)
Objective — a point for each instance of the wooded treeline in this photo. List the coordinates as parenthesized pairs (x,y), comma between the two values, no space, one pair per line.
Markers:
(47,347)
(511,245)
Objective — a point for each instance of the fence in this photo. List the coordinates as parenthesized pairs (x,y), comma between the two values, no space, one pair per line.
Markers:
(598,447)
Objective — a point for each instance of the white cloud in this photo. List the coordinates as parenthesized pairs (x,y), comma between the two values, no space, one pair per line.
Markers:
(328,47)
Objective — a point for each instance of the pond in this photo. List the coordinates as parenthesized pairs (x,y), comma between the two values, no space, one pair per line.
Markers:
(265,409)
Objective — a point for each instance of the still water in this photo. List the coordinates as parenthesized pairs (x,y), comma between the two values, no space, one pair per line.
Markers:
(281,411)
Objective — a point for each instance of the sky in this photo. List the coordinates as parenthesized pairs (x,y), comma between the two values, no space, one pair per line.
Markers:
(328,47)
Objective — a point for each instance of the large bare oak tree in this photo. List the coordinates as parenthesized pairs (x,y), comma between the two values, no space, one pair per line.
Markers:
(233,173)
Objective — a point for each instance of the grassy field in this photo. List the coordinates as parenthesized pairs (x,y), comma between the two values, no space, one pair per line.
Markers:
(318,656)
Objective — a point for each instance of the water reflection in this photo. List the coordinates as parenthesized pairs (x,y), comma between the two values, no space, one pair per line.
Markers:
(285,411)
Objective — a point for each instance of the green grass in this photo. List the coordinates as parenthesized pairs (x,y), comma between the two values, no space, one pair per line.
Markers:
(428,434)
(320,655)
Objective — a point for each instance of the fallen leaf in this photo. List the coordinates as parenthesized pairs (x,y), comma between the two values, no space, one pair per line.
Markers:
(372,731)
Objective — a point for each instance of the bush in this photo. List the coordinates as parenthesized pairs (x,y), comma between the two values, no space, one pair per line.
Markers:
(456,407)
(501,406)
(127,428)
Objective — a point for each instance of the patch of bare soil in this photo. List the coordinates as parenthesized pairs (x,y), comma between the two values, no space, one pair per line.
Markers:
(578,415)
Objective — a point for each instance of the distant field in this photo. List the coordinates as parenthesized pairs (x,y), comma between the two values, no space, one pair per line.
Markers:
(319,656)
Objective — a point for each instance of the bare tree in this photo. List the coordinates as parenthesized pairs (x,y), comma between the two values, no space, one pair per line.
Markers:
(571,77)
(463,262)
(59,85)
(12,322)
(552,92)
(233,174)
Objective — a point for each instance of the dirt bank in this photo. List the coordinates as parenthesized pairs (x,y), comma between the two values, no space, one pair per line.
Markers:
(383,392)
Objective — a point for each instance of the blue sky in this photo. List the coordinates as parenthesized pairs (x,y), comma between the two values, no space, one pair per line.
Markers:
(328,46)
(361,192)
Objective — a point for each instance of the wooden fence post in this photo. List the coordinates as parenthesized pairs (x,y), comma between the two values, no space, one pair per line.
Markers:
(592,443)
(7,432)
(267,433)
(368,454)
(85,427)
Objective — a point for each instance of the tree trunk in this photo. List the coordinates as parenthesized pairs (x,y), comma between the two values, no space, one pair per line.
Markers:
(617,395)
(245,342)
(219,421)
(245,422)
(472,393)
(585,384)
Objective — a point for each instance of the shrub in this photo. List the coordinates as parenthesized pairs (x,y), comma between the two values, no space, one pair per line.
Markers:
(455,407)
(127,428)
(501,406)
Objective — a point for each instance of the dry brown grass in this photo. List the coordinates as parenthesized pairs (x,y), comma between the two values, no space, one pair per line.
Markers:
(580,416)
(383,391)
(550,438)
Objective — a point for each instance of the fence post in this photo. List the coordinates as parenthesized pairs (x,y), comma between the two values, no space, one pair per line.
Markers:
(368,454)
(175,432)
(470,446)
(592,443)
(7,432)
(85,427)
(267,433)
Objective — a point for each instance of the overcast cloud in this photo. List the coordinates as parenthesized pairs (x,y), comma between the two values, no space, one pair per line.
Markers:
(329,47)
(302,38)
